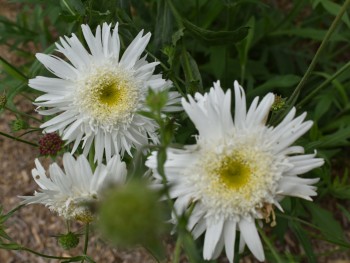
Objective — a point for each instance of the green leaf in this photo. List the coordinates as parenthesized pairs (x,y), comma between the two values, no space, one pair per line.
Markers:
(217,37)
(305,242)
(10,246)
(4,235)
(339,138)
(177,36)
(308,33)
(345,211)
(161,159)
(276,82)
(323,104)
(324,219)
(164,26)
(269,244)
(193,77)
(334,9)
(190,248)
(244,46)
(12,70)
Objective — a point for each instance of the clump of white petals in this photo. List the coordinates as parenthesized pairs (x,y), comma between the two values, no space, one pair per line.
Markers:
(68,191)
(238,169)
(99,92)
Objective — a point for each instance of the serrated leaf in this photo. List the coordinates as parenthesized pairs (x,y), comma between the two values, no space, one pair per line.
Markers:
(193,77)
(217,37)
(177,36)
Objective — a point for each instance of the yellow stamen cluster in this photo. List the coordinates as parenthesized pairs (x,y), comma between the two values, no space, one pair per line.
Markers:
(109,98)
(234,179)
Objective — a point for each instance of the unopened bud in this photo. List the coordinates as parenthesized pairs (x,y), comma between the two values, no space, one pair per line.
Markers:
(68,241)
(278,104)
(18,124)
(132,215)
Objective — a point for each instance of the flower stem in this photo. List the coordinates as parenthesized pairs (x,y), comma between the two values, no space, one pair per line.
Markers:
(86,242)
(17,139)
(177,251)
(42,255)
(270,246)
(293,98)
(328,35)
(325,83)
(23,114)
(68,7)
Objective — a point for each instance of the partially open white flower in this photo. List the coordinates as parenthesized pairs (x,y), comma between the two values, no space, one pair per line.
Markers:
(238,170)
(68,192)
(99,93)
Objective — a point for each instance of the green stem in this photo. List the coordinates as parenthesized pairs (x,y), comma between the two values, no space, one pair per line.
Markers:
(42,255)
(32,129)
(291,101)
(17,139)
(270,246)
(325,83)
(177,251)
(68,7)
(23,114)
(86,242)
(158,60)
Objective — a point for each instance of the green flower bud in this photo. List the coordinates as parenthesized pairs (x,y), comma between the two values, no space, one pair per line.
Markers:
(68,241)
(18,124)
(132,215)
(278,104)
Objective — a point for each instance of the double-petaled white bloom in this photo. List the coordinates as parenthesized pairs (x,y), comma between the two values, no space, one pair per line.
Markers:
(68,192)
(98,94)
(238,170)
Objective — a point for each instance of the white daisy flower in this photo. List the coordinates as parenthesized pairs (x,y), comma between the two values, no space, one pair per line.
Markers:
(99,93)
(67,192)
(238,170)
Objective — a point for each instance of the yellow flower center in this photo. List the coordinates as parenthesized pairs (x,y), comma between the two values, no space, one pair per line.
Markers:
(234,173)
(235,178)
(109,98)
(110,95)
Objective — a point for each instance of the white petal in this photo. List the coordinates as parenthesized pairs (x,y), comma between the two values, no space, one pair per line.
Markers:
(251,237)
(211,239)
(230,236)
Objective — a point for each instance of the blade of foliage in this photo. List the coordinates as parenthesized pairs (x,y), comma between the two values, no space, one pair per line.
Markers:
(217,37)
(304,240)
